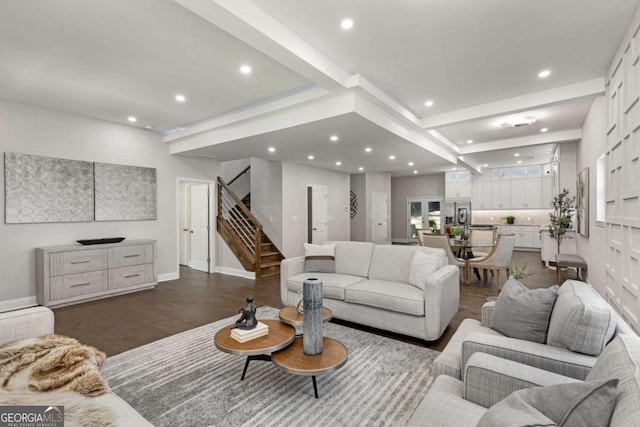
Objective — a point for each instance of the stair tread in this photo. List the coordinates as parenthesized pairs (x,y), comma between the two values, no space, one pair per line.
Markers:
(269,253)
(269,264)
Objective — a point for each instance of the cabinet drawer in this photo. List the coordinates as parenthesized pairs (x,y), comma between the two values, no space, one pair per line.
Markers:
(63,263)
(130,255)
(129,276)
(74,285)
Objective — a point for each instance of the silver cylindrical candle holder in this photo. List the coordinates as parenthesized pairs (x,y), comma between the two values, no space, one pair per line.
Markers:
(312,326)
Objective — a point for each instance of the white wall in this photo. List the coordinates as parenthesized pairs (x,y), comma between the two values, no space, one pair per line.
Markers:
(266,197)
(379,182)
(32,130)
(411,186)
(359,222)
(567,167)
(593,144)
(295,179)
(229,170)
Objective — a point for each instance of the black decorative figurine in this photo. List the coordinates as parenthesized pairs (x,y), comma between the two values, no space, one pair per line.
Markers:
(248,318)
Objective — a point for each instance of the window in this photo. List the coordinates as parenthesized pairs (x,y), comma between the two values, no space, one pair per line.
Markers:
(601,175)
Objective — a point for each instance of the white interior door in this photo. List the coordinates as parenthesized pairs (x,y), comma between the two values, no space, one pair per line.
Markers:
(318,214)
(199,230)
(184,224)
(379,227)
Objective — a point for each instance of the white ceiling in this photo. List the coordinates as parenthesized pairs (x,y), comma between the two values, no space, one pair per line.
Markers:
(478,61)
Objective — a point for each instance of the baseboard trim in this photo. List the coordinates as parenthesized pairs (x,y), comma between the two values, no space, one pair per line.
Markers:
(235,272)
(168,276)
(18,303)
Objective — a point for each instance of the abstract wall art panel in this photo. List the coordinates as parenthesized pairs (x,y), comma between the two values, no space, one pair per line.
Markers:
(124,193)
(582,202)
(44,189)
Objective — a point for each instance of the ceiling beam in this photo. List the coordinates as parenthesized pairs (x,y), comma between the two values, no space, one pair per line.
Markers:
(559,95)
(547,138)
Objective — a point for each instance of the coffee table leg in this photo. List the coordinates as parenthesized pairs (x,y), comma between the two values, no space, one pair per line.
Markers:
(315,386)
(263,357)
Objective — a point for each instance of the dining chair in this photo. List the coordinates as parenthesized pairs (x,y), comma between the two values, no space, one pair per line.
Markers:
(421,232)
(498,259)
(442,241)
(482,237)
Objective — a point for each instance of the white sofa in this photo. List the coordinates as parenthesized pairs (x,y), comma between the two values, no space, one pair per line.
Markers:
(38,321)
(370,287)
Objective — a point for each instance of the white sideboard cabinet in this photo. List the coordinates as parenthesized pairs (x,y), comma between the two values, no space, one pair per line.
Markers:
(74,273)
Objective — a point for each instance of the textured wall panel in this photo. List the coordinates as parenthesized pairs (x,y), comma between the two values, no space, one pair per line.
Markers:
(44,189)
(125,193)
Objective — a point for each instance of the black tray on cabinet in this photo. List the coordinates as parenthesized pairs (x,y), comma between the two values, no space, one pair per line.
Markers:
(101,241)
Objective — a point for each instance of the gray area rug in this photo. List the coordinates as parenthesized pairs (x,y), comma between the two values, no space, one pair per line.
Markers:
(183,380)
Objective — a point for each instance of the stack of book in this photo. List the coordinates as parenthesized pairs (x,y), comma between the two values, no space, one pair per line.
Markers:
(244,335)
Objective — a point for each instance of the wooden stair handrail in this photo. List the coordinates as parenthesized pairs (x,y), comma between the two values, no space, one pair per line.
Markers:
(241,205)
(239,175)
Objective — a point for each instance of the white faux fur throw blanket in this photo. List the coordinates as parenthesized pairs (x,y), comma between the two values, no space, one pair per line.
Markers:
(52,362)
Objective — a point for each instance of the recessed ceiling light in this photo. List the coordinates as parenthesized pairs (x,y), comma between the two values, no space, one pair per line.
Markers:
(338,163)
(368,149)
(132,119)
(469,141)
(181,98)
(245,69)
(310,157)
(453,168)
(485,165)
(544,74)
(519,162)
(346,24)
(415,171)
(515,122)
(148,126)
(410,163)
(333,138)
(272,149)
(543,130)
(360,168)
(428,103)
(392,157)
(516,155)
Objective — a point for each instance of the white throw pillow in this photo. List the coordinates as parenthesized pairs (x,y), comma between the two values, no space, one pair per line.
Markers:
(319,250)
(422,266)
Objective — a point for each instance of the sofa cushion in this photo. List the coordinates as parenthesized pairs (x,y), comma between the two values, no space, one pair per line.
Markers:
(422,266)
(393,262)
(522,313)
(393,296)
(573,404)
(621,360)
(581,320)
(353,258)
(333,284)
(319,258)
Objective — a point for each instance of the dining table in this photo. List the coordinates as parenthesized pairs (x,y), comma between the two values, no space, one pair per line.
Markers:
(463,249)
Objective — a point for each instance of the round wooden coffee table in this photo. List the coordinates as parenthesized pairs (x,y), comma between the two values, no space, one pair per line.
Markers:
(291,316)
(280,335)
(293,360)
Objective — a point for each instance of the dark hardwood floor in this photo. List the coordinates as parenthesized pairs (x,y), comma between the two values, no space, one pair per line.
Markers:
(117,324)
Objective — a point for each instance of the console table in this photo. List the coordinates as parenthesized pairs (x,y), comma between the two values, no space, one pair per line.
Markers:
(74,273)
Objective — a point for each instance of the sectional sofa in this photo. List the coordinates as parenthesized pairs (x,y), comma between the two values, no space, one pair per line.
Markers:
(370,286)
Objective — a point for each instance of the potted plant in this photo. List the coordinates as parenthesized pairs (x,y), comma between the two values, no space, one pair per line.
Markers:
(433,226)
(560,219)
(457,232)
(520,273)
(510,219)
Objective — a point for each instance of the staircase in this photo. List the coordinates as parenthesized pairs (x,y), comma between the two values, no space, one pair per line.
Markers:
(243,233)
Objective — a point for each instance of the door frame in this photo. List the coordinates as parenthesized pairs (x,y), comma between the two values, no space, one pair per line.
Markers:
(211,221)
(423,199)
(310,212)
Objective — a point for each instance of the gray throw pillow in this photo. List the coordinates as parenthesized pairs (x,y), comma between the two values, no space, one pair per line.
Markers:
(319,258)
(522,313)
(578,404)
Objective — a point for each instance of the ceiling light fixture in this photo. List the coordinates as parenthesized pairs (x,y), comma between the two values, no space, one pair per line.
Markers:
(132,119)
(428,103)
(360,168)
(516,155)
(515,122)
(338,163)
(410,163)
(272,149)
(245,69)
(346,24)
(453,168)
(368,149)
(392,157)
(148,126)
(333,138)
(485,165)
(469,141)
(519,162)
(181,98)
(543,130)
(310,157)
(544,74)
(415,171)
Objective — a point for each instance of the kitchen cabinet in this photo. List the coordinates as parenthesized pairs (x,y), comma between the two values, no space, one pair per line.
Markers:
(546,192)
(481,196)
(527,236)
(500,194)
(457,185)
(526,193)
